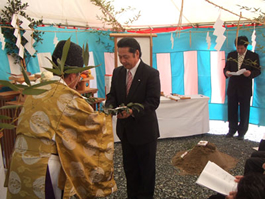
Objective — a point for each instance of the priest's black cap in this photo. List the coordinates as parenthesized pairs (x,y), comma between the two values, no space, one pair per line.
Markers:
(74,57)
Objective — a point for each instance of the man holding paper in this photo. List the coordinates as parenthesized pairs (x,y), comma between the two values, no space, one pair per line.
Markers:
(241,67)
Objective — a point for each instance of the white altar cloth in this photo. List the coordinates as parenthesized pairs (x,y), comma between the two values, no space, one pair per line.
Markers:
(184,117)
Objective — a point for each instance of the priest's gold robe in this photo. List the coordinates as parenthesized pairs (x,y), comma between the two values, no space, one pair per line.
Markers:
(61,122)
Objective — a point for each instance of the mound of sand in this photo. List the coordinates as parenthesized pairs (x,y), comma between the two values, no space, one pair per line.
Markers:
(196,159)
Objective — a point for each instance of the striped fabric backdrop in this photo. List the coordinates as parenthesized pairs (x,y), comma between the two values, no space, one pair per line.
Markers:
(186,66)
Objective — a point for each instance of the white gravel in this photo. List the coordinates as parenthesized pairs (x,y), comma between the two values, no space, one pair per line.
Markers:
(255,133)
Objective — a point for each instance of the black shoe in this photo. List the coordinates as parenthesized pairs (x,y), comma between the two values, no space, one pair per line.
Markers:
(229,135)
(240,137)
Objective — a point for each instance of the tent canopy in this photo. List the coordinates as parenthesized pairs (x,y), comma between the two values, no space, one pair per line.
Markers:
(154,13)
(186,61)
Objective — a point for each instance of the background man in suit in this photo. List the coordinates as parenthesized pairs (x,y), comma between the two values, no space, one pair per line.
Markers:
(137,130)
(239,89)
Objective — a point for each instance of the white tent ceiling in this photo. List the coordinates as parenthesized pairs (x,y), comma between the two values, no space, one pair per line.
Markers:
(154,13)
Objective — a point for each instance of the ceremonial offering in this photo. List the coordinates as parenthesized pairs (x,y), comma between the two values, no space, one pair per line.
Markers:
(170,97)
(194,160)
(84,83)
(181,96)
(20,78)
(202,143)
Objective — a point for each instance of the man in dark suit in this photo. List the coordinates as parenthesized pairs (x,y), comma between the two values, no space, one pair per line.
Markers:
(239,89)
(254,164)
(137,129)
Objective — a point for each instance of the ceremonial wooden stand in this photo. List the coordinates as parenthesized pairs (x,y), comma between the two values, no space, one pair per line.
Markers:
(83,87)
(9,135)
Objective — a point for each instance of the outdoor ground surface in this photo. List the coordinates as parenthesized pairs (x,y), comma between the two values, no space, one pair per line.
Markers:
(170,184)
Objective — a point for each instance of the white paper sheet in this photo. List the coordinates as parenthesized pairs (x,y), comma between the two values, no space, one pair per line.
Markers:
(2,39)
(239,72)
(208,40)
(217,179)
(253,39)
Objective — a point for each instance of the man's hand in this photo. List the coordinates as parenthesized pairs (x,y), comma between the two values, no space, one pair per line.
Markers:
(227,73)
(125,114)
(231,195)
(247,73)
(238,178)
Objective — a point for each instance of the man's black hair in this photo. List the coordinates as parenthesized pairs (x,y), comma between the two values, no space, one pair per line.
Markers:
(131,43)
(251,186)
(242,41)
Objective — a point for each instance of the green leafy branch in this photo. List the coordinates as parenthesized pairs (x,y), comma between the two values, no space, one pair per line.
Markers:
(114,111)
(27,89)
(260,19)
(247,62)
(17,7)
(4,117)
(89,99)
(61,69)
(260,47)
(36,89)
(110,15)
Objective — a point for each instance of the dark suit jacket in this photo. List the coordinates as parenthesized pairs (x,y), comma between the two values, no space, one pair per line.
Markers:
(262,145)
(242,85)
(142,127)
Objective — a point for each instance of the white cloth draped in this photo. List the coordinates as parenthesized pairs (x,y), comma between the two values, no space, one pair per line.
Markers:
(184,117)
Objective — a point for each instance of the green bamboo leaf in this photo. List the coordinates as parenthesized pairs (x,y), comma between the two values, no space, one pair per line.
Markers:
(69,67)
(138,104)
(9,84)
(74,67)
(135,107)
(43,83)
(129,104)
(53,64)
(22,86)
(10,106)
(25,75)
(85,54)
(78,70)
(30,91)
(4,117)
(87,47)
(55,71)
(7,126)
(65,53)
(59,63)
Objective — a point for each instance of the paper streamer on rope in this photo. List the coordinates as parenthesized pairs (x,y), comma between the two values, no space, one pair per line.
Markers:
(172,40)
(20,46)
(208,40)
(55,40)
(253,39)
(219,32)
(14,22)
(28,35)
(17,35)
(2,39)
